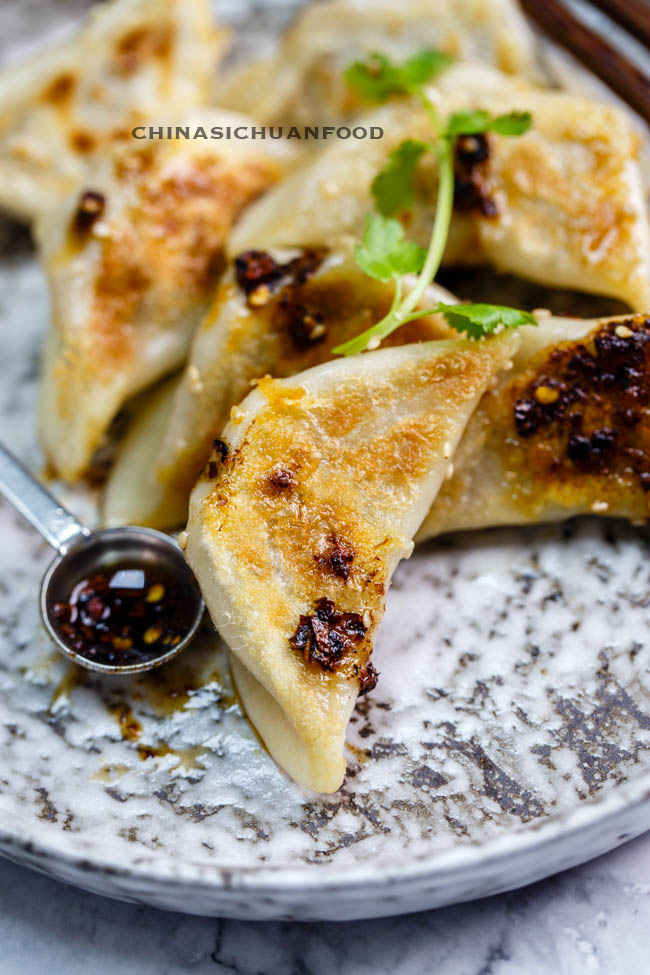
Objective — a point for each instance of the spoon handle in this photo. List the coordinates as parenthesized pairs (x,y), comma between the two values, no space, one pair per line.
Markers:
(56,524)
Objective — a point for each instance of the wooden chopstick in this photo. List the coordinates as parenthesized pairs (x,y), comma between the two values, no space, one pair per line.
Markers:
(634,15)
(593,50)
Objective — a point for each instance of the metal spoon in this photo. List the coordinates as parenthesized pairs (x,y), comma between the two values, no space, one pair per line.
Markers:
(83,553)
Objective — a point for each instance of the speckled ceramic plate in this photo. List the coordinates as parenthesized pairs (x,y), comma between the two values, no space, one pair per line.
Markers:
(509,736)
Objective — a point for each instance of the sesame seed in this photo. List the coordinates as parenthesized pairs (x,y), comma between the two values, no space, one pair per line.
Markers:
(101,229)
(260,296)
(122,643)
(194,376)
(182,540)
(623,331)
(599,506)
(373,343)
(546,395)
(317,331)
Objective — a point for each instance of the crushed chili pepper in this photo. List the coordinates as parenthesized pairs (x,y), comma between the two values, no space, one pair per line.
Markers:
(89,209)
(213,467)
(594,394)
(221,447)
(336,557)
(325,636)
(257,270)
(471,186)
(281,478)
(125,615)
(368,679)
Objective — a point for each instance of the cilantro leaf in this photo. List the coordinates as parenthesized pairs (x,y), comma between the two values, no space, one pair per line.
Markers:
(479,319)
(474,122)
(376,78)
(512,123)
(385,253)
(467,122)
(392,187)
(424,66)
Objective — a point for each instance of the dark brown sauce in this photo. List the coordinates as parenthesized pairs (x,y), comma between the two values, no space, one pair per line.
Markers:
(129,725)
(126,615)
(169,689)
(188,758)
(74,676)
(110,773)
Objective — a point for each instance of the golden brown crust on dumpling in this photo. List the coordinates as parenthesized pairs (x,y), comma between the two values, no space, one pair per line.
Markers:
(132,262)
(270,315)
(68,106)
(305,507)
(562,204)
(172,235)
(295,329)
(303,83)
(568,433)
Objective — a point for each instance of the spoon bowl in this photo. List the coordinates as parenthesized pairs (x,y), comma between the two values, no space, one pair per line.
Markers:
(118,600)
(102,552)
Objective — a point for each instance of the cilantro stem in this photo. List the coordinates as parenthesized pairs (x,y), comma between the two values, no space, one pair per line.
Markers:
(372,336)
(384,252)
(400,310)
(432,111)
(442,221)
(421,313)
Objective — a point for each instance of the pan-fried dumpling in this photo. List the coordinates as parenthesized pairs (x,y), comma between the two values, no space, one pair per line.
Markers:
(132,262)
(303,84)
(566,433)
(295,528)
(273,313)
(562,205)
(59,111)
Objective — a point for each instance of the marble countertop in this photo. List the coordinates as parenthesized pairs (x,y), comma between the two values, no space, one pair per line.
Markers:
(593,919)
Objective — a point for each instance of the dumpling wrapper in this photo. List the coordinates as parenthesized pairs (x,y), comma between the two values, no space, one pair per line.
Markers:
(65,107)
(322,301)
(566,433)
(302,83)
(568,194)
(304,511)
(128,288)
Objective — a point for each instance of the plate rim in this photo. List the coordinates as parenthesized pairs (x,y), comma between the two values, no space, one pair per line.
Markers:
(271,878)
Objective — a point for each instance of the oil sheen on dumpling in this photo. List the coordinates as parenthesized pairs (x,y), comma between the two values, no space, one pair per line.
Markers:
(309,501)
(132,60)
(132,261)
(273,314)
(303,83)
(565,433)
(561,205)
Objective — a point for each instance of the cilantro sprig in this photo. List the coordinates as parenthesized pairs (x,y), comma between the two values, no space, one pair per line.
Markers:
(377,78)
(384,252)
(392,187)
